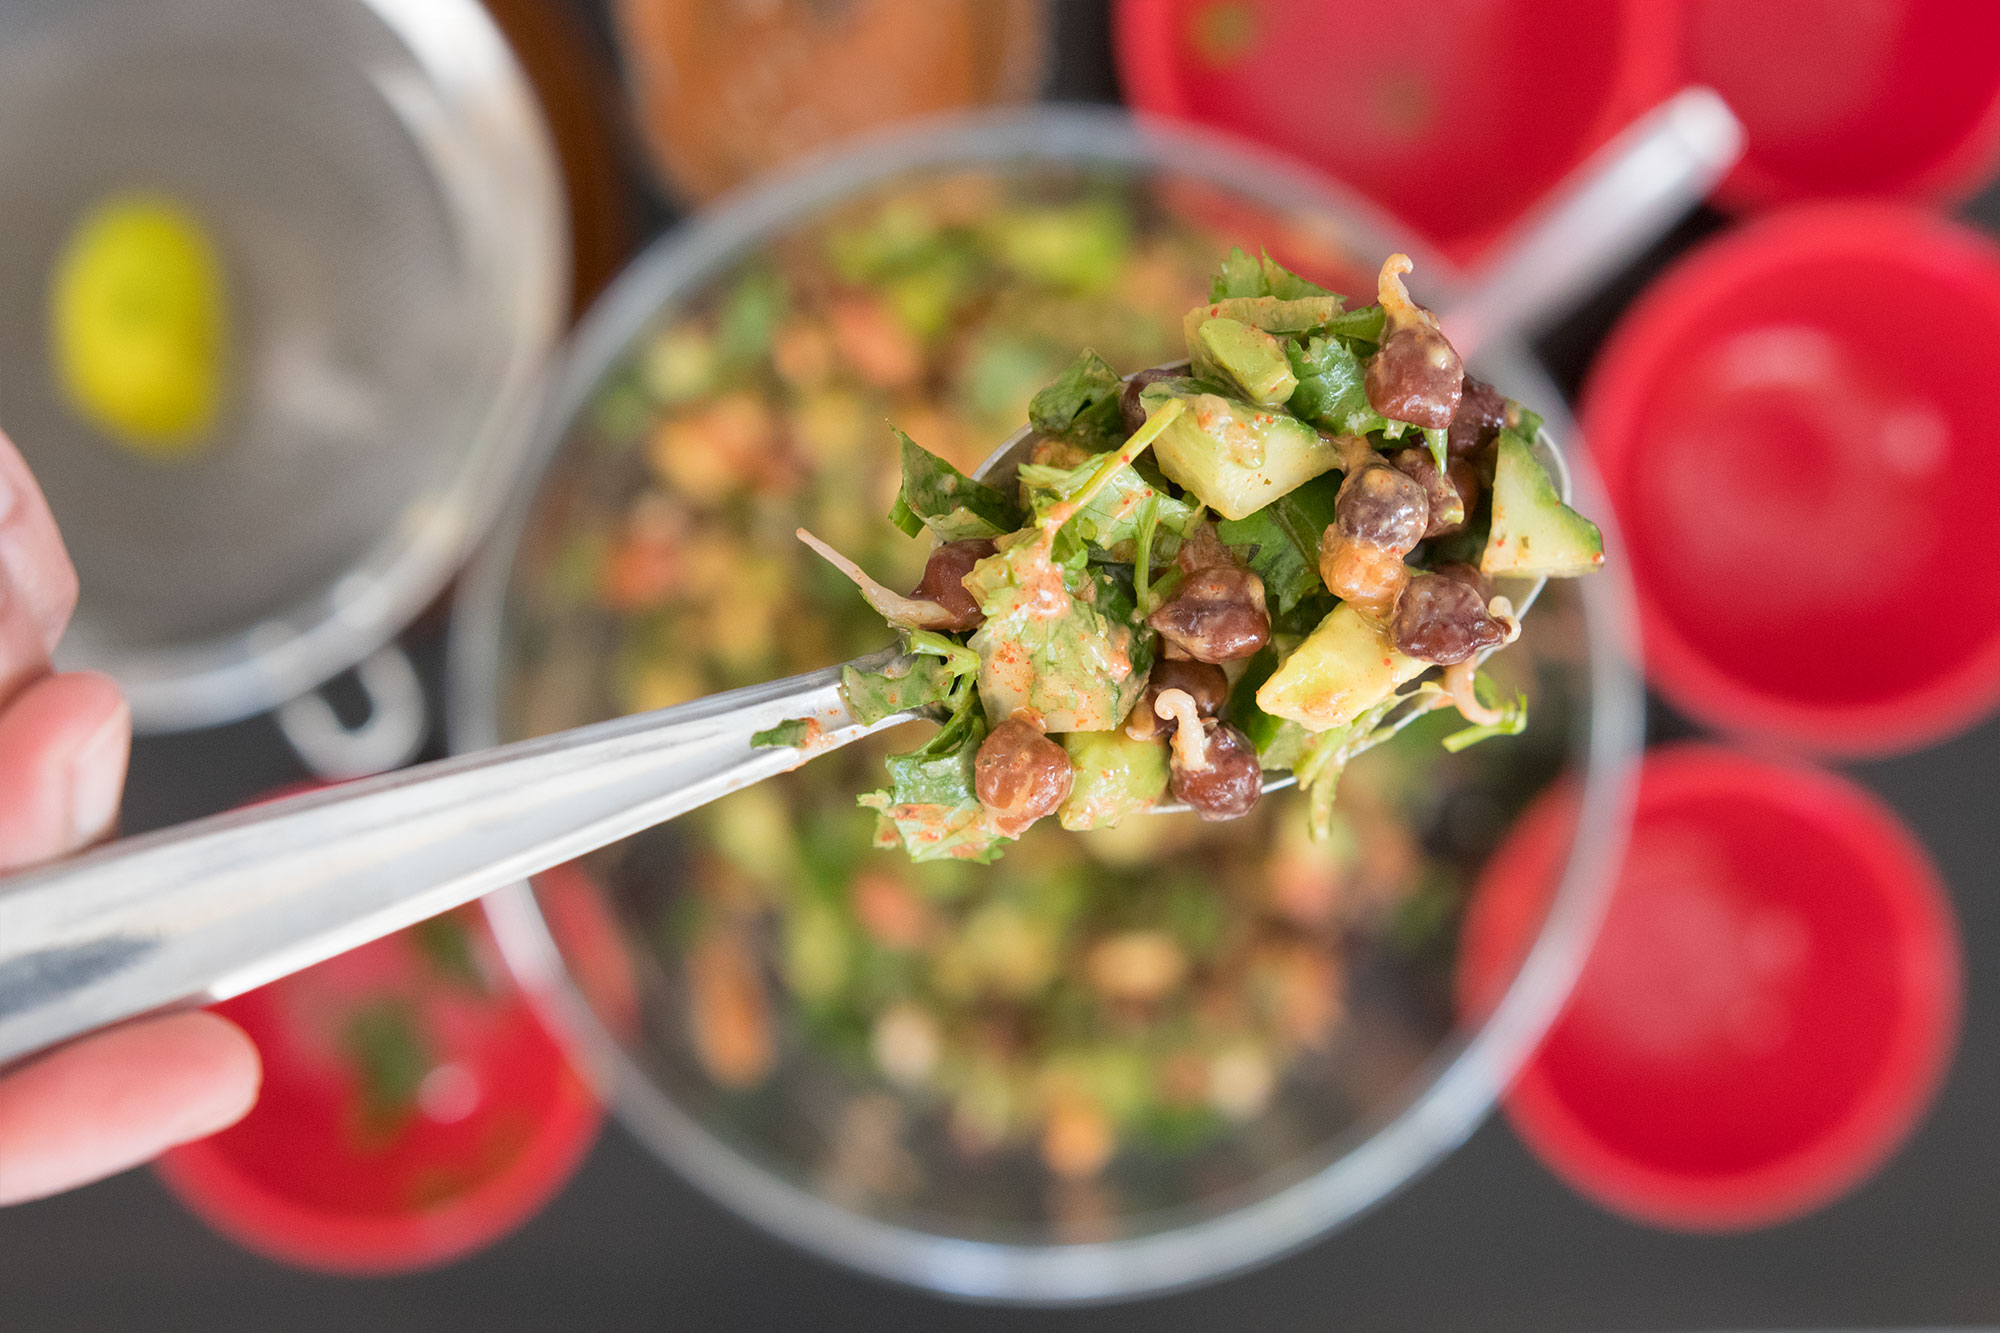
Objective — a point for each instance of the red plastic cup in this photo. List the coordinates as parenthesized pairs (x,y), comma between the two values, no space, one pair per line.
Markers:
(493,1121)
(1767,1013)
(301,1179)
(1797,427)
(1454,117)
(1852,97)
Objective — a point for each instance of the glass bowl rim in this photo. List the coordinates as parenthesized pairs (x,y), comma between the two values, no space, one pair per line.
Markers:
(1459,1082)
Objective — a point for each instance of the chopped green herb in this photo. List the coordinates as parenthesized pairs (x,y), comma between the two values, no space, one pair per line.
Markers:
(386,1048)
(794,732)
(938,496)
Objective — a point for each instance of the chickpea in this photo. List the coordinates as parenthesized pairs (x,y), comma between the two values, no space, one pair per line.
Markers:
(1228,784)
(1204,682)
(1443,619)
(1381,507)
(944,581)
(1368,576)
(1216,615)
(1130,408)
(1449,496)
(1482,411)
(1020,775)
(1414,376)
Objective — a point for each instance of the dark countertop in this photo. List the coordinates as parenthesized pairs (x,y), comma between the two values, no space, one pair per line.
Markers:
(1488,1240)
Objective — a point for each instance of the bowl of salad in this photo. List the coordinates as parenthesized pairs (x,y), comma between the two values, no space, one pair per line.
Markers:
(1140,1049)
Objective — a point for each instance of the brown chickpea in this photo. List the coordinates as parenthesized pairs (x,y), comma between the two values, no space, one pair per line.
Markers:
(1228,785)
(1450,495)
(1416,377)
(944,581)
(1368,576)
(1482,411)
(1203,682)
(1130,408)
(1444,620)
(1216,615)
(1020,775)
(1381,507)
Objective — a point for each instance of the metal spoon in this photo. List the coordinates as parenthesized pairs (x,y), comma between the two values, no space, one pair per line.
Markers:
(224,904)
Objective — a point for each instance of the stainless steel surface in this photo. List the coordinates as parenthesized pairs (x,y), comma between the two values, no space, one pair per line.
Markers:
(215,907)
(221,905)
(380,187)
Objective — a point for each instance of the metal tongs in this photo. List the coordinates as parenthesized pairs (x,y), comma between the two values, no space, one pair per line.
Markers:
(215,907)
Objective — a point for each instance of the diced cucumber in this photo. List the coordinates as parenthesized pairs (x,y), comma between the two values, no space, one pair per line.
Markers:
(1534,534)
(1114,776)
(1247,358)
(1235,456)
(1344,668)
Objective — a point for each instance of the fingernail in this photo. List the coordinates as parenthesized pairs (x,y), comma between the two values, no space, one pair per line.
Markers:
(97,777)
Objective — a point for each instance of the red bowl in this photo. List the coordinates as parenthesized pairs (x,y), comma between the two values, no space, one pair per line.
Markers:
(1795,427)
(1768,1011)
(413,1111)
(1852,97)
(1455,116)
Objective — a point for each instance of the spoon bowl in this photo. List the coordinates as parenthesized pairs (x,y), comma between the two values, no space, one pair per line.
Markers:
(1003,463)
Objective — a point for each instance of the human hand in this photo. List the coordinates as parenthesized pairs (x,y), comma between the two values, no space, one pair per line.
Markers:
(119,1097)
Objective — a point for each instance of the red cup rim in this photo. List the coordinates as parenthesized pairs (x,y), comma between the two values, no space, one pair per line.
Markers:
(1955,172)
(1669,317)
(1589,1157)
(275,1224)
(1148,59)
(270,1222)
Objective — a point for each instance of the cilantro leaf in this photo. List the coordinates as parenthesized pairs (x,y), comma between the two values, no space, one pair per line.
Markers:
(1065,642)
(794,732)
(906,683)
(938,496)
(1280,542)
(931,671)
(1240,275)
(1333,387)
(1082,404)
(1237,275)
(1286,285)
(1113,515)
(931,808)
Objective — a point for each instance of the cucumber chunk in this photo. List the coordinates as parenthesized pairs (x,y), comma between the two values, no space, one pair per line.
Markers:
(1235,456)
(1344,668)
(1534,534)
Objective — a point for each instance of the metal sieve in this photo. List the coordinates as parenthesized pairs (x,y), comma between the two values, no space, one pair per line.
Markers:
(377,179)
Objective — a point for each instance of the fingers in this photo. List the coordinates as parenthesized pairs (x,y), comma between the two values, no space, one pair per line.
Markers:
(63,746)
(120,1098)
(37,581)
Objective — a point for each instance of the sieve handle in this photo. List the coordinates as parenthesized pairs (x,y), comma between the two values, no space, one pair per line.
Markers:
(1625,197)
(213,908)
(393,733)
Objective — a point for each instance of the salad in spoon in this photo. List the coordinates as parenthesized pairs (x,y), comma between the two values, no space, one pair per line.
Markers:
(1261,562)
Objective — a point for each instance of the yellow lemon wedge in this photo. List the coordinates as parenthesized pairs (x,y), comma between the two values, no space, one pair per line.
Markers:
(138,325)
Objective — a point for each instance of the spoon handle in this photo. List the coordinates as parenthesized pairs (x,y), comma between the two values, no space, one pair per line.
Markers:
(213,908)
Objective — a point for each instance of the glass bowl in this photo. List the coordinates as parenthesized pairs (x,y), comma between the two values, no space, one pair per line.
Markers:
(963,1079)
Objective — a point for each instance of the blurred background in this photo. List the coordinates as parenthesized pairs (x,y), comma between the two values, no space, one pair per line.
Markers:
(345,350)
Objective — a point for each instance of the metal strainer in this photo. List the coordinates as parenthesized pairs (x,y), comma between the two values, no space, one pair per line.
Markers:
(382,192)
